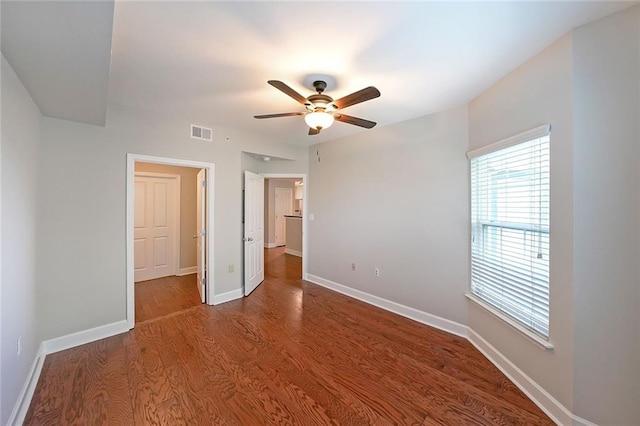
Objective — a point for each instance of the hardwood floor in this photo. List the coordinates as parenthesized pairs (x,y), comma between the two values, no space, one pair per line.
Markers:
(164,296)
(290,353)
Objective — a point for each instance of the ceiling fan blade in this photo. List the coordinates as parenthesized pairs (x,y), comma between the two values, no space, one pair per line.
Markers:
(284,114)
(354,120)
(313,131)
(355,98)
(288,91)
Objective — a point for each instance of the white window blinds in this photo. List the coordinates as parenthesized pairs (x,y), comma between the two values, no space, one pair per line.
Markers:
(510,228)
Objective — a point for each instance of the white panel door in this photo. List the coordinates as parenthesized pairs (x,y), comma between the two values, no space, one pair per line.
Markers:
(155,229)
(253,231)
(201,236)
(284,200)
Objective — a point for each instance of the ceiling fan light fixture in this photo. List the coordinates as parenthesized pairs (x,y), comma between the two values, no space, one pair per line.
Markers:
(319,120)
(321,109)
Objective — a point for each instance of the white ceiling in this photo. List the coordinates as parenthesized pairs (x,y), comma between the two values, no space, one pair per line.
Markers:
(212,60)
(61,51)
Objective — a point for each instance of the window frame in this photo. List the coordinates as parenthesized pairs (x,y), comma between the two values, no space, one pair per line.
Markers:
(513,321)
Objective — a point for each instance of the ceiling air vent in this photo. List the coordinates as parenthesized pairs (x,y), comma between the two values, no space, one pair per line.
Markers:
(202,133)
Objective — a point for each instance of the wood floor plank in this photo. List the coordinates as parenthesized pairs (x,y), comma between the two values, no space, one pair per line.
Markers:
(106,399)
(291,353)
(151,391)
(295,358)
(163,296)
(193,373)
(405,355)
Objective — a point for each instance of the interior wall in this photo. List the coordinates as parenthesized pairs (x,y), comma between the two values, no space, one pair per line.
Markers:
(86,282)
(538,92)
(188,194)
(395,198)
(18,168)
(606,89)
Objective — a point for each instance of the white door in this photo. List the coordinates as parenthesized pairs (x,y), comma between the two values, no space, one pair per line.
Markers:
(201,234)
(154,234)
(253,231)
(284,200)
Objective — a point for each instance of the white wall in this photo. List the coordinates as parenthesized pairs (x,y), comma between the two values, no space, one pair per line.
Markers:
(606,87)
(83,207)
(396,198)
(20,138)
(587,86)
(538,92)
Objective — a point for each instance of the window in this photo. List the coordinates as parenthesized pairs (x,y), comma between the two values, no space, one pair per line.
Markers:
(510,228)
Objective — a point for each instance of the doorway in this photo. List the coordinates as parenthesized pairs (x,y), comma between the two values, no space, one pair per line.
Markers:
(186,259)
(285,193)
(283,208)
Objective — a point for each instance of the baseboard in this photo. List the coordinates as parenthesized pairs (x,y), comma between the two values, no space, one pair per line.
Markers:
(270,245)
(55,345)
(547,403)
(19,411)
(293,252)
(405,311)
(579,421)
(228,296)
(187,271)
(86,336)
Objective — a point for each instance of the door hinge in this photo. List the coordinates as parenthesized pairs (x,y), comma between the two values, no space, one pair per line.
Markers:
(203,232)
(204,183)
(204,281)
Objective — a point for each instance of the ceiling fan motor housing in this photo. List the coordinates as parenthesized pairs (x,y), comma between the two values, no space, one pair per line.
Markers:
(319,102)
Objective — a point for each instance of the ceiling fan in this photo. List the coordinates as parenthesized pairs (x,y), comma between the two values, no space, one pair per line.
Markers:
(322,110)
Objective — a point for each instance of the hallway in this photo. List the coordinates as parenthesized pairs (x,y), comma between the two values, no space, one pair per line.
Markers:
(169,295)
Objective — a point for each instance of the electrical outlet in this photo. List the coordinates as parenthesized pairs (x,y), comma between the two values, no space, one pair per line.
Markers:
(231,268)
(19,346)
(376,272)
(353,266)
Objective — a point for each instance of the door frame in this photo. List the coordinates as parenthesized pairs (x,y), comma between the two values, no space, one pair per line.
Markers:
(305,214)
(176,212)
(129,223)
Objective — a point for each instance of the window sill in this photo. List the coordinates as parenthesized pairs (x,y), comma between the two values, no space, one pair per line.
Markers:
(539,341)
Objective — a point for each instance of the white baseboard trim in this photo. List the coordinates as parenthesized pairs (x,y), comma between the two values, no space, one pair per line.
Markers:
(547,403)
(55,345)
(228,296)
(19,411)
(405,311)
(86,336)
(293,252)
(270,245)
(579,421)
(187,271)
